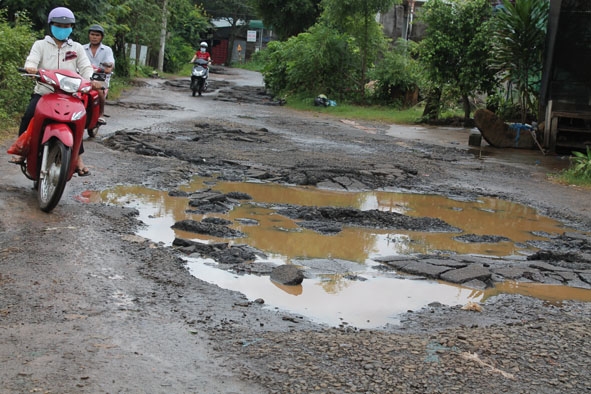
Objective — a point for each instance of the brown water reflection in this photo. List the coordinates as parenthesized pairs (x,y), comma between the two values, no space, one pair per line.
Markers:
(277,234)
(550,293)
(284,241)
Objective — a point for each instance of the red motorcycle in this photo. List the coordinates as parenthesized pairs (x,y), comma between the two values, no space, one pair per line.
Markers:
(92,123)
(51,143)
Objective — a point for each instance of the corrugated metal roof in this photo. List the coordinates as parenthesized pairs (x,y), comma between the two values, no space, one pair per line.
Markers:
(219,23)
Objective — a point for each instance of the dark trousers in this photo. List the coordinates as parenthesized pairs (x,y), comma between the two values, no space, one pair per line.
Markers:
(30,112)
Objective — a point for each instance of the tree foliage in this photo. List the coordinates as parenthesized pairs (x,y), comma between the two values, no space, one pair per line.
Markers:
(336,56)
(455,51)
(14,47)
(397,74)
(126,22)
(187,22)
(357,18)
(288,17)
(322,60)
(37,10)
(518,44)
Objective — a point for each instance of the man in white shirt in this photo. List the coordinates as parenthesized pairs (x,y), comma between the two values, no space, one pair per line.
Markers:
(56,51)
(101,56)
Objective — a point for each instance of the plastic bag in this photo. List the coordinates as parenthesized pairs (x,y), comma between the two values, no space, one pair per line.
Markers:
(22,144)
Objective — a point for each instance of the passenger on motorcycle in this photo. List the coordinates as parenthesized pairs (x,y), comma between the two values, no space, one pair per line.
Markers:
(101,57)
(56,51)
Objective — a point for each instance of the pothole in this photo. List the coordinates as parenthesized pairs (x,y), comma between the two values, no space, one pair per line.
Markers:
(367,256)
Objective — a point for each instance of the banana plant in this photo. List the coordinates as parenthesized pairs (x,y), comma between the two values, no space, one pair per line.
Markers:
(518,45)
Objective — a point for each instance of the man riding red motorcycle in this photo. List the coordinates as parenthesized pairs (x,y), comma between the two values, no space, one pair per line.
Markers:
(64,104)
(102,59)
(56,51)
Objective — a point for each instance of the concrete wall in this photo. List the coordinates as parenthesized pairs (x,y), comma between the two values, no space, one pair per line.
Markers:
(400,21)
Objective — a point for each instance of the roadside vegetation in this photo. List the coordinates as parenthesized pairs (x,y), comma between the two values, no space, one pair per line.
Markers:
(473,55)
(331,47)
(579,171)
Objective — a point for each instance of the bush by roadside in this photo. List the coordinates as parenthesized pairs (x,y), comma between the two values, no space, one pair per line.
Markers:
(14,46)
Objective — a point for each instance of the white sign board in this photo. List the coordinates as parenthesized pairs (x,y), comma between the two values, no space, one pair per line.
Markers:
(251,36)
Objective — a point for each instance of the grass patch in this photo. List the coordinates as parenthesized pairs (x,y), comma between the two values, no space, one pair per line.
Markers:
(9,130)
(578,172)
(116,87)
(8,134)
(370,112)
(252,66)
(567,177)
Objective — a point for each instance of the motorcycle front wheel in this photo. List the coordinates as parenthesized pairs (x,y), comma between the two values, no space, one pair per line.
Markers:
(200,88)
(54,176)
(193,86)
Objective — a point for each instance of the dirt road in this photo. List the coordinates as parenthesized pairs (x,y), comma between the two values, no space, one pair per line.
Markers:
(86,306)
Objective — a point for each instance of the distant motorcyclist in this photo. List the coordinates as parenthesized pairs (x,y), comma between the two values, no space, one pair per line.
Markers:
(202,53)
(101,56)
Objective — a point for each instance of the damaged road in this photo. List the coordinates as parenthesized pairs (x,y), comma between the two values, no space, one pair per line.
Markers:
(87,306)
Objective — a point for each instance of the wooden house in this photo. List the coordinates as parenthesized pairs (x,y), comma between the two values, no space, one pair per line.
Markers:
(565,96)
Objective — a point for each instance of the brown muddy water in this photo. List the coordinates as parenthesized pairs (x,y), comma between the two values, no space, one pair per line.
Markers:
(335,299)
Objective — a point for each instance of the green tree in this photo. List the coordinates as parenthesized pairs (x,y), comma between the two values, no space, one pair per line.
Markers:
(519,35)
(322,60)
(455,51)
(84,10)
(187,22)
(358,18)
(288,17)
(396,76)
(133,22)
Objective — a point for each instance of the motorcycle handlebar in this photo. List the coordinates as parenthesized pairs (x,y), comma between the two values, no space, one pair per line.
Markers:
(25,73)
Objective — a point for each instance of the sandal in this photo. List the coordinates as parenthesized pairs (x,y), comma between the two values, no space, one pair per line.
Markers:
(84,171)
(17,160)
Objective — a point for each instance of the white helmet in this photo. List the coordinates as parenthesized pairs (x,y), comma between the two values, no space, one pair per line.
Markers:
(203,44)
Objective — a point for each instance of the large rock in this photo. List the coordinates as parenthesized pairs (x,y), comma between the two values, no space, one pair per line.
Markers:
(288,275)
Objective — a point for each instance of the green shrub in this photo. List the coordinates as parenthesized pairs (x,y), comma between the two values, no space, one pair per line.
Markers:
(321,60)
(15,44)
(579,170)
(395,79)
(256,62)
(581,164)
(177,54)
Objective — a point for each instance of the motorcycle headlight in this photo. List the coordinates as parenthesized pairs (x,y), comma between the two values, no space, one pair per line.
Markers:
(69,84)
(48,80)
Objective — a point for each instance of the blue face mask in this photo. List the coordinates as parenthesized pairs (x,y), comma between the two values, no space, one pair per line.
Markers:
(61,33)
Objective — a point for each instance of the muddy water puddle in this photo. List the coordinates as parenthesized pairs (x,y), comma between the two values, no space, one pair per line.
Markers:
(364,296)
